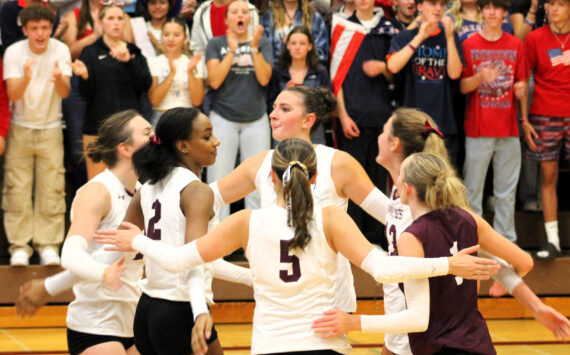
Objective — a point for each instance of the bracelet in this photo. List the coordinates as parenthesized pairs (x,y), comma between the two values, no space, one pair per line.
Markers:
(412,47)
(254,50)
(417,21)
(529,22)
(532,12)
(523,119)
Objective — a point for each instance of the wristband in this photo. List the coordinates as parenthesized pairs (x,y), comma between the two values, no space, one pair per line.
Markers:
(523,119)
(254,50)
(412,47)
(529,22)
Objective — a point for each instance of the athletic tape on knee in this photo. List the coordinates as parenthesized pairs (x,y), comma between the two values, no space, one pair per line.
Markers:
(169,257)
(392,269)
(376,204)
(74,257)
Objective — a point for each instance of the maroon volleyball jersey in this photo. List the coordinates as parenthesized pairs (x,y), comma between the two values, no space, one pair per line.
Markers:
(454,320)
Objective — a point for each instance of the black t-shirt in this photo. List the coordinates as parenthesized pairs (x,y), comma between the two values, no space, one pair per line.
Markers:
(367,99)
(425,80)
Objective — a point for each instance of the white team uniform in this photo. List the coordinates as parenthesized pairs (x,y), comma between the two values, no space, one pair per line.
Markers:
(291,288)
(164,221)
(97,309)
(398,219)
(324,194)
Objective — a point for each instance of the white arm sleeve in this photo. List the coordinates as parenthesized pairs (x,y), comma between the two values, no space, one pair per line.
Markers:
(414,319)
(507,276)
(393,269)
(74,257)
(218,199)
(197,291)
(170,257)
(376,205)
(230,272)
(60,282)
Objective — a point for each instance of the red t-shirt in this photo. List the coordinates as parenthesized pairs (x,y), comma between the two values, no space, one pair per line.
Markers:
(551,66)
(218,19)
(492,108)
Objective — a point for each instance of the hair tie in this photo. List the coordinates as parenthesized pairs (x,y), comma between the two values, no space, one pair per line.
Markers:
(155,140)
(285,178)
(429,129)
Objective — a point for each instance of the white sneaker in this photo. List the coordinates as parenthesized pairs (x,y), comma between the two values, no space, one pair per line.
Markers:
(20,258)
(48,256)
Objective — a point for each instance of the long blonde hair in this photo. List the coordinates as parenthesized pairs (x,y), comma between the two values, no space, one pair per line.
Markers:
(456,12)
(278,11)
(435,181)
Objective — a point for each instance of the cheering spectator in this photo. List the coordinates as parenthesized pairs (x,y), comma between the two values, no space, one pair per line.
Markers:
(37,79)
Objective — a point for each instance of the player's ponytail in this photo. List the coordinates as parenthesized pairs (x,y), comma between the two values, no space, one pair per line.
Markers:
(319,101)
(435,181)
(295,163)
(156,160)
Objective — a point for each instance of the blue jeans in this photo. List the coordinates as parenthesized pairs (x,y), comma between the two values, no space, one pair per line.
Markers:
(249,137)
(506,155)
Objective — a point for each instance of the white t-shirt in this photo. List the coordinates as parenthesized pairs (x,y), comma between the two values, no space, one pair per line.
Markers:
(178,95)
(40,106)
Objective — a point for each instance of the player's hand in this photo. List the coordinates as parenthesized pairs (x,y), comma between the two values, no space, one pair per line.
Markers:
(112,275)
(336,322)
(530,135)
(33,295)
(472,267)
(554,321)
(201,332)
(497,290)
(119,239)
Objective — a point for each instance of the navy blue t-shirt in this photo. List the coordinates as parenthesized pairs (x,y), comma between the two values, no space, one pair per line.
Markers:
(367,100)
(426,84)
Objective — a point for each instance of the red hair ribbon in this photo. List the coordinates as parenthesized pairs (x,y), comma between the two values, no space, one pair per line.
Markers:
(155,140)
(428,129)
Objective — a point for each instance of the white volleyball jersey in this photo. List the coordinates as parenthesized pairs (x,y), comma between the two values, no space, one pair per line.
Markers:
(291,288)
(97,309)
(165,221)
(398,219)
(324,194)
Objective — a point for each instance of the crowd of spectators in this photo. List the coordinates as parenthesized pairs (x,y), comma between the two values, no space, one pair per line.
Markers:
(493,74)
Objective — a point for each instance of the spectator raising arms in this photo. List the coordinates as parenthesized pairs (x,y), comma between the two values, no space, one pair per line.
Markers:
(239,63)
(298,66)
(113,75)
(177,81)
(283,15)
(548,126)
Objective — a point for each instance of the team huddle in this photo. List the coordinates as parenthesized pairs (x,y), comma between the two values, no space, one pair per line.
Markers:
(298,244)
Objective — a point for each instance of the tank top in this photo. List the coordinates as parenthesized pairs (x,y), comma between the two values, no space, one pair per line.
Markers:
(165,221)
(454,321)
(86,32)
(324,194)
(97,309)
(291,288)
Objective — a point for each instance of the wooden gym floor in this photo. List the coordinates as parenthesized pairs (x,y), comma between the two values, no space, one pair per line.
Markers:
(510,337)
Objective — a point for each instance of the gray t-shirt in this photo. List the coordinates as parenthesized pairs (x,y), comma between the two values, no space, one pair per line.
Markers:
(240,98)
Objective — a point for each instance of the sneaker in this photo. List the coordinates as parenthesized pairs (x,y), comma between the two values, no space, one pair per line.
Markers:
(49,256)
(20,258)
(548,252)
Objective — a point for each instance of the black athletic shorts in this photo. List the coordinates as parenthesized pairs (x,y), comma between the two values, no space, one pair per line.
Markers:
(78,342)
(451,351)
(164,327)
(308,352)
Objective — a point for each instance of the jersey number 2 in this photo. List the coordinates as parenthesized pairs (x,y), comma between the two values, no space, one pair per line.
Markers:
(152,232)
(289,259)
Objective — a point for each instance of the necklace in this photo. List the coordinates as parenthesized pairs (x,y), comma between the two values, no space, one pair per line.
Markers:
(291,18)
(562,44)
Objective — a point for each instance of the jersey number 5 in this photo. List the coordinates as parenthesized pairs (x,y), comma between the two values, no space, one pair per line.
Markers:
(289,259)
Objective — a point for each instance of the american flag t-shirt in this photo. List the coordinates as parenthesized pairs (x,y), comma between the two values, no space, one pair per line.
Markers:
(558,57)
